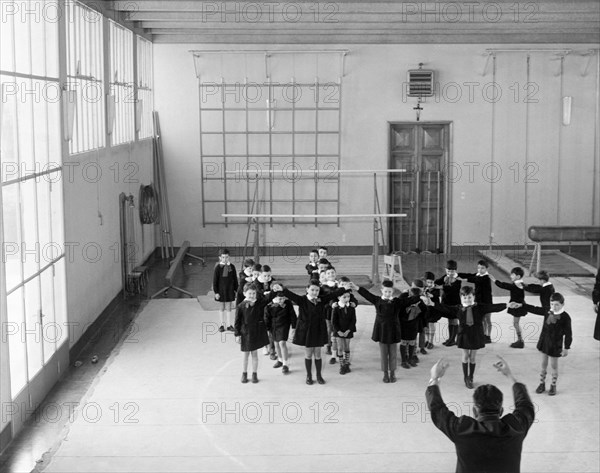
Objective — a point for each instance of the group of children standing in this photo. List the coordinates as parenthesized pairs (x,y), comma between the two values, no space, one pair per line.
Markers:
(265,317)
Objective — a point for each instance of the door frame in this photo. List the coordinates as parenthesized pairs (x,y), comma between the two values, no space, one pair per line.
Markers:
(447,233)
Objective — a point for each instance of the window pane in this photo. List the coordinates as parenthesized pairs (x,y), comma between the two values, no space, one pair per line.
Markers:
(25,125)
(22,39)
(50,332)
(30,246)
(12,235)
(60,302)
(16,342)
(54,133)
(53,10)
(43,211)
(8,122)
(33,327)
(7,43)
(37,27)
(40,120)
(56,219)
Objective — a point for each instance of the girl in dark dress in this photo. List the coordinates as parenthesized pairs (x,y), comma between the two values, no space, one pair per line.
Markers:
(386,329)
(343,321)
(471,335)
(517,294)
(250,328)
(279,317)
(450,286)
(225,285)
(556,327)
(311,329)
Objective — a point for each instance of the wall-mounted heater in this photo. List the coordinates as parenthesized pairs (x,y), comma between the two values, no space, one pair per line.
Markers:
(420,82)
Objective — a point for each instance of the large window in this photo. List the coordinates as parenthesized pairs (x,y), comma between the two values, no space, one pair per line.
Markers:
(85,72)
(122,99)
(32,206)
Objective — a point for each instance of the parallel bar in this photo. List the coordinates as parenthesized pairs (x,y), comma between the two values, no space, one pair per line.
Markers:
(311,215)
(328,171)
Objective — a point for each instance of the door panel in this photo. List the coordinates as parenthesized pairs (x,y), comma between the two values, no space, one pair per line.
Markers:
(422,150)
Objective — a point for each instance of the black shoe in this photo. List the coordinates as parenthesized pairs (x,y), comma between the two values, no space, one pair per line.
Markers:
(230,328)
(552,391)
(273,356)
(416,358)
(488,339)
(348,368)
(422,351)
(429,346)
(404,364)
(320,380)
(328,351)
(342,369)
(285,369)
(393,377)
(541,388)
(386,378)
(468,383)
(254,378)
(518,344)
(412,362)
(221,329)
(332,360)
(450,343)
(244,377)
(279,364)
(309,380)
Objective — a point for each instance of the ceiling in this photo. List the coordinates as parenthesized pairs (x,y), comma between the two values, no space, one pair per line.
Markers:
(350,22)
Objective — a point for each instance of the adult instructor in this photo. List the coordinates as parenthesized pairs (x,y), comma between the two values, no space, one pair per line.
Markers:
(487,442)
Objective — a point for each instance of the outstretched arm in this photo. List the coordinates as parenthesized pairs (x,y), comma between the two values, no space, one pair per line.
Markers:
(372,298)
(442,417)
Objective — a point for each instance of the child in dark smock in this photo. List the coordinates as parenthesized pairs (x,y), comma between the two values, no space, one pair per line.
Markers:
(250,328)
(555,330)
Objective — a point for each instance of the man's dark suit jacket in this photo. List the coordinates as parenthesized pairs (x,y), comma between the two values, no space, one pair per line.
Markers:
(488,443)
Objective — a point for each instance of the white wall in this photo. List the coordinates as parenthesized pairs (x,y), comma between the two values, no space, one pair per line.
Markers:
(92,184)
(519,137)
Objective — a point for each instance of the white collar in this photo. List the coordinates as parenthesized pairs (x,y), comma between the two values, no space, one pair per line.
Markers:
(484,274)
(331,283)
(341,306)
(558,313)
(518,281)
(547,283)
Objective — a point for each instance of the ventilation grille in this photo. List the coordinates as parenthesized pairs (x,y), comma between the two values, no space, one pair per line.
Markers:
(420,83)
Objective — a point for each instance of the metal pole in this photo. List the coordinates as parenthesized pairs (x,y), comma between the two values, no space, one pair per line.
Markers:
(374,265)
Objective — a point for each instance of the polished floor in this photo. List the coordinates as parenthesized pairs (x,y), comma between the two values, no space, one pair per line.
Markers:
(166,396)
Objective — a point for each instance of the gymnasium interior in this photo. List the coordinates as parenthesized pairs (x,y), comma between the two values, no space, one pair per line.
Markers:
(140,138)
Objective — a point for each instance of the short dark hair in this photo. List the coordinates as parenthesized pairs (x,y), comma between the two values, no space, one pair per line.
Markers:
(543,275)
(387,283)
(323,248)
(257,267)
(488,399)
(313,282)
(224,251)
(466,291)
(324,261)
(451,264)
(557,297)
(429,275)
(250,286)
(418,283)
(518,271)
(248,263)
(483,262)
(344,279)
(314,250)
(266,268)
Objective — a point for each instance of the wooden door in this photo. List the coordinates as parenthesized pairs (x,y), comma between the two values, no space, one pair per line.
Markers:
(420,192)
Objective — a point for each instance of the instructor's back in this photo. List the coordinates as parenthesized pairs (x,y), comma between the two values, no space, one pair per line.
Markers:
(487,442)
